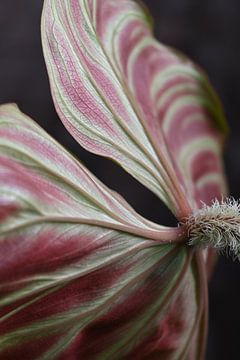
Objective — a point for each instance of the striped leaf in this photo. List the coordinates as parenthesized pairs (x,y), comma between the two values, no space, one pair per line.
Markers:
(41,181)
(71,292)
(82,276)
(77,277)
(123,95)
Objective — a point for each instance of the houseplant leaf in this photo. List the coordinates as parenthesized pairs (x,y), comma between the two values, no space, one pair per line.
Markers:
(71,259)
(123,95)
(82,275)
(59,186)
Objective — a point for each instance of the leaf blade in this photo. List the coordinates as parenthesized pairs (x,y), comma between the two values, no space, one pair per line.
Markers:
(75,303)
(54,185)
(109,48)
(63,277)
(114,131)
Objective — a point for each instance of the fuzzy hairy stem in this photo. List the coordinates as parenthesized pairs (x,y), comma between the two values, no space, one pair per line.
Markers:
(216,226)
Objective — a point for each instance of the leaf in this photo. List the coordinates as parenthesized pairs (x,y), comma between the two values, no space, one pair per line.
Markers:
(76,279)
(41,181)
(61,297)
(82,275)
(123,95)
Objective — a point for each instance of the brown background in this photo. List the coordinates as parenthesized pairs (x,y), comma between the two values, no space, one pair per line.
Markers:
(207,31)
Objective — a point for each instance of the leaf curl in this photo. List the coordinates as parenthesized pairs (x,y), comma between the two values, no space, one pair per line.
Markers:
(123,95)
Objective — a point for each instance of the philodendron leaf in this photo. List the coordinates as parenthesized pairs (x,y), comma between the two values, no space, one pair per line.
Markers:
(123,95)
(77,278)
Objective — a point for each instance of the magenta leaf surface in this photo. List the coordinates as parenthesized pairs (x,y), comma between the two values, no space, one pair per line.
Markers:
(82,275)
(70,248)
(123,95)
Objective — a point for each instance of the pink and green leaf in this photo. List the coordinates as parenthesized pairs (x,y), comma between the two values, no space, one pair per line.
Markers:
(41,181)
(74,262)
(67,299)
(82,275)
(123,95)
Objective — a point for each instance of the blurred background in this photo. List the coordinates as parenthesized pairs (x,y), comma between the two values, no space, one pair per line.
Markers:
(208,32)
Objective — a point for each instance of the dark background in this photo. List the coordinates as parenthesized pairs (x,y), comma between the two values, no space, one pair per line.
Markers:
(208,32)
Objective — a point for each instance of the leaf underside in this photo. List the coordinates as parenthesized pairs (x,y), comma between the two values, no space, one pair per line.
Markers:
(74,262)
(123,95)
(82,275)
